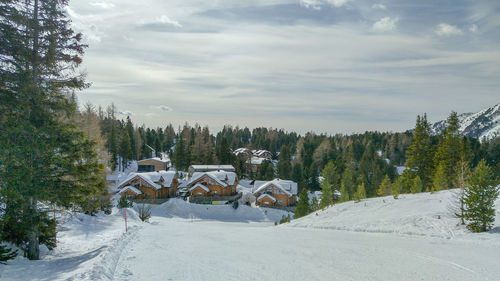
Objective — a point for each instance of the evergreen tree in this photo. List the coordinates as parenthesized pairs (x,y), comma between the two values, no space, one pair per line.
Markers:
(397,187)
(385,187)
(348,183)
(284,165)
(297,174)
(327,194)
(463,173)
(420,153)
(344,193)
(479,197)
(125,149)
(314,204)
(179,154)
(360,192)
(440,180)
(44,157)
(302,205)
(131,136)
(6,254)
(449,151)
(329,172)
(416,187)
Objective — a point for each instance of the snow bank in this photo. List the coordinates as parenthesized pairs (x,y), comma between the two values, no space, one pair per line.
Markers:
(182,209)
(422,214)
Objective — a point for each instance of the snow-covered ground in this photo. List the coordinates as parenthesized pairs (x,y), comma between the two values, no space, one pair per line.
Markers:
(412,238)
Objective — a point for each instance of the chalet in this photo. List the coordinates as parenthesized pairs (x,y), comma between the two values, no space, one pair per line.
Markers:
(254,163)
(214,183)
(263,154)
(209,168)
(150,185)
(243,151)
(278,193)
(153,165)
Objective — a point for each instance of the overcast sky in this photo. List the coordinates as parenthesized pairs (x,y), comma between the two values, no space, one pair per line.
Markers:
(335,66)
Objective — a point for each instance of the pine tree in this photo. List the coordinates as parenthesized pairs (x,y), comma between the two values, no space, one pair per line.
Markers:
(385,187)
(314,204)
(6,254)
(419,156)
(327,194)
(360,192)
(303,204)
(44,157)
(397,187)
(329,172)
(463,173)
(284,165)
(348,183)
(449,151)
(344,193)
(416,187)
(479,197)
(440,180)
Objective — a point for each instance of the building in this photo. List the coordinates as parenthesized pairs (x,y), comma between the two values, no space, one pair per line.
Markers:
(153,165)
(149,185)
(277,193)
(243,151)
(263,154)
(214,183)
(209,168)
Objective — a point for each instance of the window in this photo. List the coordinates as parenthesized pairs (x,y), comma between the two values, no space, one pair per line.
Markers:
(215,191)
(280,202)
(199,193)
(266,203)
(145,168)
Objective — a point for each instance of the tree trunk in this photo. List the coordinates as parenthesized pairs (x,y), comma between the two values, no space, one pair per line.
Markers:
(33,246)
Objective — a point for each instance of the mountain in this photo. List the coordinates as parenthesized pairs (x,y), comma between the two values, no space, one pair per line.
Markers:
(484,124)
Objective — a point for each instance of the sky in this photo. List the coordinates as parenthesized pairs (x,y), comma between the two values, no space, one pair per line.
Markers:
(328,66)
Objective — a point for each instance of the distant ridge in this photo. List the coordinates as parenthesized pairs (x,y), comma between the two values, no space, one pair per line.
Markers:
(484,124)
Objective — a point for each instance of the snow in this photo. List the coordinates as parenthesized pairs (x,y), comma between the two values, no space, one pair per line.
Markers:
(287,186)
(131,188)
(152,178)
(411,238)
(266,195)
(222,177)
(200,186)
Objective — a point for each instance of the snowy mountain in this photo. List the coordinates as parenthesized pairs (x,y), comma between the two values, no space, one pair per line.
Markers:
(482,124)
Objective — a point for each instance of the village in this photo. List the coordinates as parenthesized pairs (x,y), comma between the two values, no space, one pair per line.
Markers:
(155,181)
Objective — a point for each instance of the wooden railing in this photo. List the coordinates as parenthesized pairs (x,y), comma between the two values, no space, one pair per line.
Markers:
(210,199)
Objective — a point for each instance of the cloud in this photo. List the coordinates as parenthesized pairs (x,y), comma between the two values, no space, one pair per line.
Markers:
(164,19)
(126,113)
(444,29)
(379,6)
(316,4)
(473,28)
(104,5)
(165,108)
(385,24)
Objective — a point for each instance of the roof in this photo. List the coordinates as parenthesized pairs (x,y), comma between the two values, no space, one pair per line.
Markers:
(258,160)
(223,178)
(131,188)
(206,168)
(200,186)
(287,186)
(242,150)
(152,178)
(266,195)
(154,159)
(261,152)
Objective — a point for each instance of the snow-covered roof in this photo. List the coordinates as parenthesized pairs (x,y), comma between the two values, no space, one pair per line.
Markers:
(155,159)
(207,168)
(287,186)
(400,169)
(200,186)
(242,150)
(152,178)
(266,195)
(131,188)
(261,152)
(257,160)
(223,178)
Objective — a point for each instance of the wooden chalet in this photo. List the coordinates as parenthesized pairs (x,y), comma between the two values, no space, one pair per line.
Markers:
(150,185)
(275,193)
(263,154)
(214,183)
(153,165)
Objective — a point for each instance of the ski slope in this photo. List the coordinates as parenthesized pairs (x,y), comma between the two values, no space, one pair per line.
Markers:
(412,238)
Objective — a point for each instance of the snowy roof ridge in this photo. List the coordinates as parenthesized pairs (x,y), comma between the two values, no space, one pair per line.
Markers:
(279,184)
(266,195)
(224,178)
(199,185)
(131,188)
(152,177)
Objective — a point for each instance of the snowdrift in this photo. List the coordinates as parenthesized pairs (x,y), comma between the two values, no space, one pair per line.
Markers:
(423,214)
(178,208)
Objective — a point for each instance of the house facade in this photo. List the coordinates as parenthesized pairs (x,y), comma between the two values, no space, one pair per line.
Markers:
(263,154)
(275,193)
(149,185)
(153,165)
(214,183)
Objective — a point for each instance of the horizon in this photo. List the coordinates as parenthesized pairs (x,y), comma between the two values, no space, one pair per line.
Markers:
(311,65)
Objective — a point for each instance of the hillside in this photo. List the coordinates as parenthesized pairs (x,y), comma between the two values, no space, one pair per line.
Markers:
(482,124)
(422,214)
